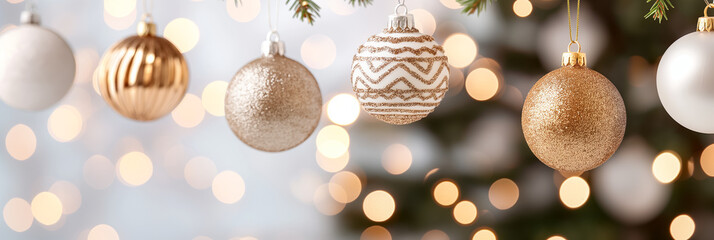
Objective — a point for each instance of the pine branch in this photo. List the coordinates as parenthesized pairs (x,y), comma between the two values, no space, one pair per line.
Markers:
(659,10)
(362,3)
(475,6)
(304,9)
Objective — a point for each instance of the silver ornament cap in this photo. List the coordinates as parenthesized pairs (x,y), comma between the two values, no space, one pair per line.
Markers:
(401,21)
(29,17)
(272,45)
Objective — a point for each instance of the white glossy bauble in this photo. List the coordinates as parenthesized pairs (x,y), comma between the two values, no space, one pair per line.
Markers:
(36,67)
(685,82)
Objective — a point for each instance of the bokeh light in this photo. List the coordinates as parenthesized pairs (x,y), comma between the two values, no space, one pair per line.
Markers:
(522,8)
(119,8)
(87,60)
(65,123)
(345,187)
(325,202)
(21,142)
(461,50)
(213,98)
(666,167)
(376,233)
(17,215)
(574,192)
(397,159)
(503,193)
(452,4)
(465,212)
(120,23)
(199,172)
(484,234)
(446,193)
(341,7)
(135,168)
(378,206)
(103,232)
(189,113)
(424,21)
(332,164)
(183,33)
(556,237)
(98,172)
(318,51)
(245,11)
(68,194)
(333,141)
(482,84)
(707,160)
(228,187)
(435,235)
(343,109)
(682,227)
(46,208)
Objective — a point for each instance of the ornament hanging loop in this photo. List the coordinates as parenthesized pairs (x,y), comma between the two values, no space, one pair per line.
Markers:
(706,23)
(577,43)
(711,5)
(401,5)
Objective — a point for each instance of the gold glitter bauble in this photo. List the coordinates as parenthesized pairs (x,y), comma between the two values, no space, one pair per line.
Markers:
(573,119)
(273,103)
(143,77)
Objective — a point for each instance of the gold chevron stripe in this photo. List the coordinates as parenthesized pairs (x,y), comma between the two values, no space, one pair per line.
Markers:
(400,110)
(402,96)
(371,65)
(431,50)
(419,39)
(415,75)
(401,59)
(410,104)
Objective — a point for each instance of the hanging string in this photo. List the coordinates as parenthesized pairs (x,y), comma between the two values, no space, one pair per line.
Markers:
(30,7)
(577,26)
(707,2)
(273,28)
(148,10)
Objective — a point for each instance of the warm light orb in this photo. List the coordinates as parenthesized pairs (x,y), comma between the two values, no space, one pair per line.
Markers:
(424,21)
(245,11)
(120,23)
(574,192)
(318,51)
(397,159)
(65,123)
(189,113)
(68,194)
(461,50)
(345,187)
(378,206)
(556,238)
(707,160)
(522,8)
(21,142)
(333,141)
(343,109)
(484,234)
(503,194)
(465,212)
(228,187)
(119,8)
(446,193)
(435,235)
(213,98)
(332,164)
(325,202)
(17,215)
(103,232)
(666,167)
(482,84)
(183,33)
(46,208)
(199,172)
(682,227)
(98,172)
(452,4)
(135,168)
(341,7)
(376,233)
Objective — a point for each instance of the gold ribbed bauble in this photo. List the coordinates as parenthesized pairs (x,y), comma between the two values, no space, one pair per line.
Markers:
(273,103)
(143,77)
(573,118)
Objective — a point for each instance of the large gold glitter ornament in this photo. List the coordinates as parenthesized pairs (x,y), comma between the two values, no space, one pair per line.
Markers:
(143,77)
(273,103)
(573,118)
(400,75)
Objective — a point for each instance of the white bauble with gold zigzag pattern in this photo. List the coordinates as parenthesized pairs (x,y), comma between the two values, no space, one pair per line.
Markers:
(400,75)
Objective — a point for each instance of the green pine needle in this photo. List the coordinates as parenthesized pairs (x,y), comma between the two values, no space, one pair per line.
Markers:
(474,6)
(659,9)
(362,3)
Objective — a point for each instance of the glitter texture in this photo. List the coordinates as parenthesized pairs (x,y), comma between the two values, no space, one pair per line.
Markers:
(273,104)
(573,119)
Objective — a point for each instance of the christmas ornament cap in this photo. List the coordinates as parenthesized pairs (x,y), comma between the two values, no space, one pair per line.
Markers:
(29,17)
(706,23)
(146,28)
(401,21)
(272,45)
(574,59)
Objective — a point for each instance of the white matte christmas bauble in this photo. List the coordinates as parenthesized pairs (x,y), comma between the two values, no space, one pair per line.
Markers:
(400,75)
(685,82)
(36,67)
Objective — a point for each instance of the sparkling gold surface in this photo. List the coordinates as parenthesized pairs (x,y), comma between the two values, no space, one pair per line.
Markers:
(142,77)
(273,104)
(573,119)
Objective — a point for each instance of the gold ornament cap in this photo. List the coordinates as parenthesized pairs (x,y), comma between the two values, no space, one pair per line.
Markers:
(272,45)
(146,28)
(401,21)
(574,59)
(706,23)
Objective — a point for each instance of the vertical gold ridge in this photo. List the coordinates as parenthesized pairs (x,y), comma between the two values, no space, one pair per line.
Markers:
(574,59)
